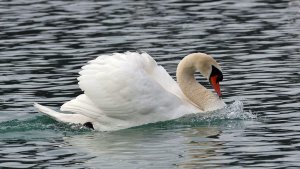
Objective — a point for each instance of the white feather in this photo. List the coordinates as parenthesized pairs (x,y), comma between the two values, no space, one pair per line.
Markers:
(63,117)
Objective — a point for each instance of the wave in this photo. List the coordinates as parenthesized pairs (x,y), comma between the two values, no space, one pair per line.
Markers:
(39,123)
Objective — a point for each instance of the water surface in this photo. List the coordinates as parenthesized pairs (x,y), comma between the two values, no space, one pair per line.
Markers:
(43,45)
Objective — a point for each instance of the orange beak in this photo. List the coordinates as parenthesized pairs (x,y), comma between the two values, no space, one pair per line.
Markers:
(215,83)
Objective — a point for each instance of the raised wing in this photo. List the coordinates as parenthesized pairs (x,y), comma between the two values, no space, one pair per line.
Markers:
(128,88)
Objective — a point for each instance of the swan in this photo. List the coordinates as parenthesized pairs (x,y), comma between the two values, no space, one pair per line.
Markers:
(123,90)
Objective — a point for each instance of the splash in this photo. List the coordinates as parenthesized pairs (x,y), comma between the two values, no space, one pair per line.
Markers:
(230,112)
(234,111)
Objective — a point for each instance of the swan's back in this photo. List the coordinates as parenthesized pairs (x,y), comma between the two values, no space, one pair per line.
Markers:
(128,89)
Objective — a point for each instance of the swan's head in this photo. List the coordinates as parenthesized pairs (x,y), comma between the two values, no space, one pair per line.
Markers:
(210,69)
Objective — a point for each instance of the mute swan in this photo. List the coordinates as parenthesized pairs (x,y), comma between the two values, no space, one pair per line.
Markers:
(129,89)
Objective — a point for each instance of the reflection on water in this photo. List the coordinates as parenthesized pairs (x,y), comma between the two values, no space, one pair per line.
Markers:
(43,44)
(132,147)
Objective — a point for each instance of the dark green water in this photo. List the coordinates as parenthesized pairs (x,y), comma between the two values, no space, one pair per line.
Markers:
(43,45)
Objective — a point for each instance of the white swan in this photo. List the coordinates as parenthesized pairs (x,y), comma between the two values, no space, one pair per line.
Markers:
(129,89)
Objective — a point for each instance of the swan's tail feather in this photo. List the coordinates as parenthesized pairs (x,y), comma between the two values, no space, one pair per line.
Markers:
(62,117)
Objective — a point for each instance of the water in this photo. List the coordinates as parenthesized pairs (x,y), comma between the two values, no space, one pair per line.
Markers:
(43,44)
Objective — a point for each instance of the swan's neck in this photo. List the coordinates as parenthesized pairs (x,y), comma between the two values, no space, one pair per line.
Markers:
(198,94)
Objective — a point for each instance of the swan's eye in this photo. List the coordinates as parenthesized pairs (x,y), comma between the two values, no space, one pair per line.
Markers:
(216,72)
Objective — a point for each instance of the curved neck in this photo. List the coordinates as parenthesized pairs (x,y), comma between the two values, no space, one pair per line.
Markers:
(194,91)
